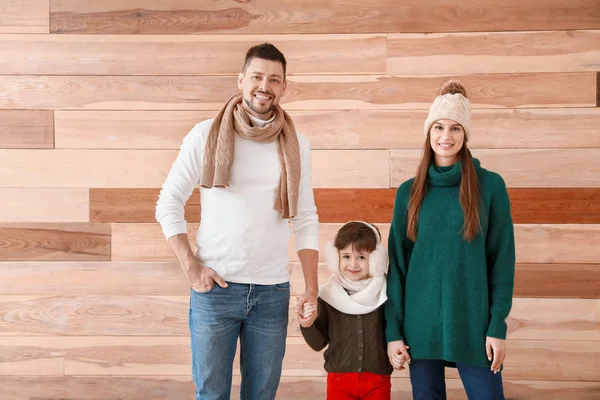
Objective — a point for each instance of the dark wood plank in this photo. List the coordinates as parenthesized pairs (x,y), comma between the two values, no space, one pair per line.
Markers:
(134,205)
(55,242)
(290,388)
(329,16)
(326,92)
(187,55)
(555,206)
(529,206)
(598,89)
(26,129)
(557,280)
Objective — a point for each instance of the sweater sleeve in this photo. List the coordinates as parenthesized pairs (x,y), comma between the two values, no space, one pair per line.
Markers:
(500,253)
(183,177)
(399,248)
(317,335)
(305,225)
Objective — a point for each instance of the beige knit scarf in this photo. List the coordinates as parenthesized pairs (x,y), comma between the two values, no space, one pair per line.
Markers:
(219,150)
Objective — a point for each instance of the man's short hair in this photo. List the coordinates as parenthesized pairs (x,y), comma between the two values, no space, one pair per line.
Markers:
(266,51)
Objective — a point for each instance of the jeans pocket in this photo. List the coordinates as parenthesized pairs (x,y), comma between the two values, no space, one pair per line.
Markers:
(214,286)
(282,287)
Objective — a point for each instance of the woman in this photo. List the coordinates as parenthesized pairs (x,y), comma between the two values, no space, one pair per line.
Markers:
(452,257)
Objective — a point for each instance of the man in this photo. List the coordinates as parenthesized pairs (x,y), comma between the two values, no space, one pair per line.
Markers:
(254,173)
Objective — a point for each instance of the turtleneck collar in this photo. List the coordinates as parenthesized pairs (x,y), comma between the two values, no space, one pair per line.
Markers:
(260,122)
(447,176)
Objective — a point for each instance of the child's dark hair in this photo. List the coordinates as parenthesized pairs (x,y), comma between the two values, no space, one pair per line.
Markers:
(266,51)
(361,236)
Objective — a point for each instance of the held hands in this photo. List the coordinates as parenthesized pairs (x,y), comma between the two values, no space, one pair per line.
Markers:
(201,277)
(496,352)
(398,354)
(307,315)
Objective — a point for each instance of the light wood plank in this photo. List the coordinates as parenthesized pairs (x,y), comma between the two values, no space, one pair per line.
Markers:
(84,168)
(54,242)
(326,92)
(288,16)
(345,129)
(144,242)
(554,319)
(25,16)
(139,356)
(122,356)
(94,316)
(44,205)
(537,360)
(493,52)
(151,130)
(539,168)
(149,168)
(563,243)
(290,388)
(26,129)
(24,356)
(186,55)
(536,319)
(139,278)
(558,280)
(568,243)
(95,278)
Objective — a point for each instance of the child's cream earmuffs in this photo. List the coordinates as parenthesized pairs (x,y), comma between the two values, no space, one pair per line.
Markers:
(378,259)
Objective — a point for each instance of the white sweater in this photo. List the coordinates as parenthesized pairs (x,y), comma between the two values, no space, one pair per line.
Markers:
(240,235)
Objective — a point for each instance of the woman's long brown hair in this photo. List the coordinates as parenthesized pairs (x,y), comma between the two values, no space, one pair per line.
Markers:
(469,193)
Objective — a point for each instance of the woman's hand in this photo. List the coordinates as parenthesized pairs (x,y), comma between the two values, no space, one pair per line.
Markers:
(496,352)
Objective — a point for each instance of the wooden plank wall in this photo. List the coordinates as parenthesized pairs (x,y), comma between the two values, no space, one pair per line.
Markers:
(95,98)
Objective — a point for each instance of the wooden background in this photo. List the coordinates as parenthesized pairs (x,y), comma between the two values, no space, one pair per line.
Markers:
(96,96)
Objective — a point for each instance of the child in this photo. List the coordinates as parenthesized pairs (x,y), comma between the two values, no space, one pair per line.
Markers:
(350,317)
(452,261)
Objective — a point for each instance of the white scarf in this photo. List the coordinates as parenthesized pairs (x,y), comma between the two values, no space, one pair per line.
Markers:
(356,297)
(367,300)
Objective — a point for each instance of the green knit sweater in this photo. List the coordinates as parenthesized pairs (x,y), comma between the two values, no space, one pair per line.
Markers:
(445,295)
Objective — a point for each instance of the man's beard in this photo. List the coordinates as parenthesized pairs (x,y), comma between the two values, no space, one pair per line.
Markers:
(251,106)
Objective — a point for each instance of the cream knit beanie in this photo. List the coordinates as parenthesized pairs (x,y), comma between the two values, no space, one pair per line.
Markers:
(452,103)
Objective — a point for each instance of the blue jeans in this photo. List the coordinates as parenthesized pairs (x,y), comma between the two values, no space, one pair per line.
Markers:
(258,315)
(428,381)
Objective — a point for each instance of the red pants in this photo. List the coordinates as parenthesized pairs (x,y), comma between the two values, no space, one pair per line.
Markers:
(358,385)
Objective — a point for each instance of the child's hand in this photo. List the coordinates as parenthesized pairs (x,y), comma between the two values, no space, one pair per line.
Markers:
(308,315)
(398,354)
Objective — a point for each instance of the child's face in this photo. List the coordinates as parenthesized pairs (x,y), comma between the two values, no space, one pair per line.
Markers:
(354,265)
(447,138)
